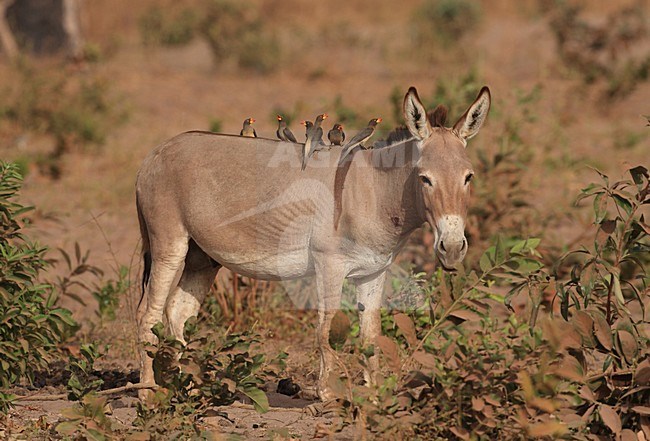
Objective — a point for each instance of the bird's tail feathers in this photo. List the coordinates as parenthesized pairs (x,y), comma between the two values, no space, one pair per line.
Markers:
(305,154)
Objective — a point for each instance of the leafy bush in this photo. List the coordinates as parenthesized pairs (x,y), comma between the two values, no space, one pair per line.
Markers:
(108,295)
(345,114)
(445,21)
(83,278)
(500,193)
(602,51)
(208,370)
(204,371)
(613,272)
(87,420)
(160,26)
(236,31)
(215,125)
(74,110)
(456,93)
(463,366)
(32,325)
(82,381)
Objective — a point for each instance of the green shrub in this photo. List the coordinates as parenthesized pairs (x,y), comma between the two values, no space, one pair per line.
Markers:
(445,21)
(260,51)
(611,275)
(159,26)
(236,31)
(575,364)
(32,325)
(52,104)
(82,278)
(604,51)
(345,114)
(291,115)
(108,295)
(87,420)
(216,125)
(456,93)
(74,111)
(82,381)
(211,369)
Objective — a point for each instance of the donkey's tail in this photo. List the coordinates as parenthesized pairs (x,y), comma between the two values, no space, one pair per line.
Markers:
(146,253)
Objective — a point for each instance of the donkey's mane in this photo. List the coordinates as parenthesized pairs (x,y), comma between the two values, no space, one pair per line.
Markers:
(437,118)
(397,135)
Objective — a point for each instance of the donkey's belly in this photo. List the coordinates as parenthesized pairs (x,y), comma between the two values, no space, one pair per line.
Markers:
(285,266)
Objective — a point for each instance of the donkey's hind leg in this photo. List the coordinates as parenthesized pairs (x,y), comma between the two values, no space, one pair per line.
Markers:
(167,259)
(198,275)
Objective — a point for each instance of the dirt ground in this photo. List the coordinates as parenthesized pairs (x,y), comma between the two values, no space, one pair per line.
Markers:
(299,417)
(362,54)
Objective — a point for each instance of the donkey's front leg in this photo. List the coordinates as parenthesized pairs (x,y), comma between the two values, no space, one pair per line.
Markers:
(329,283)
(369,298)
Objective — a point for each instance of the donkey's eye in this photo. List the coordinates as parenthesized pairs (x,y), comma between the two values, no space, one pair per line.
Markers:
(468,178)
(426,181)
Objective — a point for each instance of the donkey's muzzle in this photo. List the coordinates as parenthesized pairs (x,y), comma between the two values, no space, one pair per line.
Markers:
(451,245)
(452,252)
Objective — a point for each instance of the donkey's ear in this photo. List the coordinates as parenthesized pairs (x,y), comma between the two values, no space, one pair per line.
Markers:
(469,124)
(415,115)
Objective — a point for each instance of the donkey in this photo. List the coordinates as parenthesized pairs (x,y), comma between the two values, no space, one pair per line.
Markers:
(208,200)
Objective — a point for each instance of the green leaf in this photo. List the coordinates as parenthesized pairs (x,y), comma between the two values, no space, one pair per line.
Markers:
(589,189)
(67,428)
(487,260)
(65,316)
(618,293)
(600,207)
(96,435)
(158,330)
(500,251)
(623,203)
(258,397)
(522,246)
(524,265)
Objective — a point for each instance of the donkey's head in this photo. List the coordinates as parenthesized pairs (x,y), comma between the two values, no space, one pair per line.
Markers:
(444,171)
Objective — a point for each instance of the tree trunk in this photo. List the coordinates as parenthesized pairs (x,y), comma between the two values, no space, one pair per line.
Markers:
(44,27)
(7,40)
(72,28)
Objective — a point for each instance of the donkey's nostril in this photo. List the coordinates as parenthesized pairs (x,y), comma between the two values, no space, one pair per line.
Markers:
(442,247)
(464,246)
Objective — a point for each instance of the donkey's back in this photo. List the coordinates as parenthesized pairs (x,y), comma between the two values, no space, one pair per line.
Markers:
(243,201)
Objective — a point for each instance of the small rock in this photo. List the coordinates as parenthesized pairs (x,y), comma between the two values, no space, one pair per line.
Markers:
(286,386)
(119,404)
